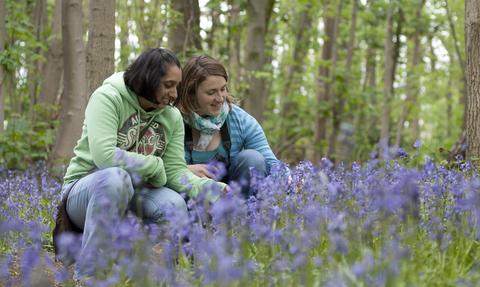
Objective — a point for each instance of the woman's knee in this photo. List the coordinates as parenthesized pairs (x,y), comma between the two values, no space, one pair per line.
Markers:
(155,204)
(114,181)
(252,158)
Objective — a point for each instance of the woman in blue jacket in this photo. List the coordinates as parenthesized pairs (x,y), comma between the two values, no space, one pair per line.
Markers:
(216,128)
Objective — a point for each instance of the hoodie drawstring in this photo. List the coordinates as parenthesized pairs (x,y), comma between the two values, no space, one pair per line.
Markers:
(138,132)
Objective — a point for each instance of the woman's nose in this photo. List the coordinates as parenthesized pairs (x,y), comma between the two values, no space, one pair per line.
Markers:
(220,96)
(173,94)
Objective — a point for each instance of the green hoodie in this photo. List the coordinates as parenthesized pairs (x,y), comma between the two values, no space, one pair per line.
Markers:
(112,124)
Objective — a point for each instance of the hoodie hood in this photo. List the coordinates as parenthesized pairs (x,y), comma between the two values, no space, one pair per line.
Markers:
(116,81)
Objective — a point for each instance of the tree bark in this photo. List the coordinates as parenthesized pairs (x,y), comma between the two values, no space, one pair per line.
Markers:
(39,22)
(234,28)
(351,43)
(320,133)
(299,52)
(269,44)
(448,96)
(100,60)
(75,84)
(411,76)
(255,58)
(337,98)
(463,91)
(187,33)
(2,71)
(122,22)
(215,20)
(54,66)
(387,92)
(472,52)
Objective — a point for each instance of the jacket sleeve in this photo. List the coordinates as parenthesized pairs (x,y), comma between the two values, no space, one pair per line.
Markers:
(255,139)
(102,119)
(179,177)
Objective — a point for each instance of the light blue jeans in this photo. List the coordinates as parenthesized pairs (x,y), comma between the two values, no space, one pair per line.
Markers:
(109,193)
(239,169)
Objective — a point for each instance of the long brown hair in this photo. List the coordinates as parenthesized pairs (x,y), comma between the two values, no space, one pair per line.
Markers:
(195,71)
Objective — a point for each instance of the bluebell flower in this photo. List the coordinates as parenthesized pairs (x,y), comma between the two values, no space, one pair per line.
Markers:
(417,144)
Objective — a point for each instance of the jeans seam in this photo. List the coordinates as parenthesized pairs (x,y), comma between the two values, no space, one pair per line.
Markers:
(146,196)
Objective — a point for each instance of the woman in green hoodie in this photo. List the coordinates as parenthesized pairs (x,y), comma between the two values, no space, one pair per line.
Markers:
(132,137)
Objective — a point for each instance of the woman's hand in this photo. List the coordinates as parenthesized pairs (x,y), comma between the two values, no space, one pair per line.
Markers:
(201,170)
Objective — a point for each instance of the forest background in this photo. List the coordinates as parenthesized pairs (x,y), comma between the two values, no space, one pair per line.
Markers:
(323,78)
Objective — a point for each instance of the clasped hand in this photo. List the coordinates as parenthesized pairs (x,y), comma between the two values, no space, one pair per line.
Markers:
(203,170)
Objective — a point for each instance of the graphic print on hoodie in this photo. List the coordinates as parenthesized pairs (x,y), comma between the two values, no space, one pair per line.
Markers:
(152,143)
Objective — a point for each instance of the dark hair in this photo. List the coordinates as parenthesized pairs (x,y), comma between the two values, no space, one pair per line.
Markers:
(196,70)
(144,74)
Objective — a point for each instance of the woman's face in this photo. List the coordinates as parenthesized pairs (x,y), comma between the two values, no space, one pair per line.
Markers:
(167,92)
(211,95)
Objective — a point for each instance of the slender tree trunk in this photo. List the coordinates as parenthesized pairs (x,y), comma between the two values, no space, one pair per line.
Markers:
(269,44)
(2,71)
(215,20)
(100,60)
(411,76)
(255,58)
(187,33)
(299,52)
(351,43)
(123,17)
(433,57)
(370,82)
(75,86)
(39,22)
(15,103)
(463,91)
(339,101)
(320,133)
(472,52)
(234,28)
(54,66)
(449,108)
(387,92)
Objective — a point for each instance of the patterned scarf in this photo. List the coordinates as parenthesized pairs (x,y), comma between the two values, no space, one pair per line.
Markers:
(207,126)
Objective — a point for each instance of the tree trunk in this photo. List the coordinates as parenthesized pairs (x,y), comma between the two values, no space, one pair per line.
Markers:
(351,43)
(54,66)
(123,17)
(448,132)
(411,76)
(187,33)
(234,28)
(299,52)
(2,71)
(387,92)
(75,86)
(463,91)
(215,20)
(337,99)
(269,44)
(100,61)
(472,52)
(39,22)
(320,133)
(255,58)
(369,82)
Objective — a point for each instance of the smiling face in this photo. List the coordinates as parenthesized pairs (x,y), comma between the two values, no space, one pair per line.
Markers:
(211,95)
(167,92)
